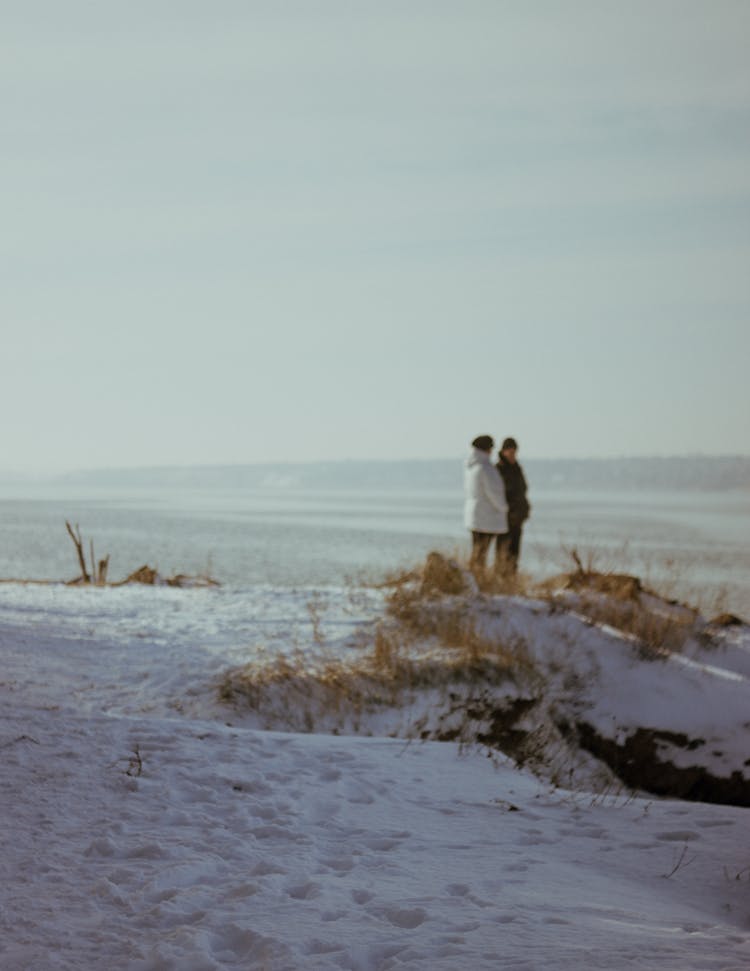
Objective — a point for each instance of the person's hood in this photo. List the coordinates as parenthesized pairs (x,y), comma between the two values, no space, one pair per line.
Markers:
(477,457)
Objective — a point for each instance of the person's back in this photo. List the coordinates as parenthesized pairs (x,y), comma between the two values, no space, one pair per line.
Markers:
(485,507)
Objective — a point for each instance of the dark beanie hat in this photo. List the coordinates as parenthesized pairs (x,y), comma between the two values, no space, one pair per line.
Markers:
(510,443)
(484,442)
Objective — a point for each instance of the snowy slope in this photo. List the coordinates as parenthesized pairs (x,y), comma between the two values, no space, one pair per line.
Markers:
(141,831)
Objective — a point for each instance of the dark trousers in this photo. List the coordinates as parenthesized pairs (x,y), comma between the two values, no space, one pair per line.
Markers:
(508,550)
(480,545)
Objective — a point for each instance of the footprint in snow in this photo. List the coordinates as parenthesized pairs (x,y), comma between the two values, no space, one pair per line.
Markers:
(328,916)
(323,947)
(457,889)
(340,864)
(361,896)
(407,918)
(242,891)
(382,844)
(234,942)
(678,836)
(265,868)
(304,891)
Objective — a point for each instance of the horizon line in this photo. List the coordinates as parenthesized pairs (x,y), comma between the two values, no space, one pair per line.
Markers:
(348,461)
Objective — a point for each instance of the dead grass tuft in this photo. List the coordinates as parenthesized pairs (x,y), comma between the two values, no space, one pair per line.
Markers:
(657,635)
(619,600)
(428,640)
(432,666)
(443,576)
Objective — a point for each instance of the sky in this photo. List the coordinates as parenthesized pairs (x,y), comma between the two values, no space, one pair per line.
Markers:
(239,232)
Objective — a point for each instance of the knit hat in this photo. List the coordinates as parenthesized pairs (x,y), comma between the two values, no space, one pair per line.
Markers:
(484,442)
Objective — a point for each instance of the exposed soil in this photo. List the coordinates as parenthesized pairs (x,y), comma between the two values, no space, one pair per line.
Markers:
(638,762)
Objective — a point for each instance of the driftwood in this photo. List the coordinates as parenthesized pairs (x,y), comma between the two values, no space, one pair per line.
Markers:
(150,577)
(78,542)
(144,574)
(99,570)
(97,574)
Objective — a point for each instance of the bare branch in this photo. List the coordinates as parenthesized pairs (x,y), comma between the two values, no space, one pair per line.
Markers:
(76,537)
(135,765)
(681,862)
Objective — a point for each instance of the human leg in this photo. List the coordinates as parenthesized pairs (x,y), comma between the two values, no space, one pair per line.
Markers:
(502,553)
(514,545)
(507,551)
(480,544)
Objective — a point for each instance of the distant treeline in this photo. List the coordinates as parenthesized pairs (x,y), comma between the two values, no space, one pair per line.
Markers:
(685,472)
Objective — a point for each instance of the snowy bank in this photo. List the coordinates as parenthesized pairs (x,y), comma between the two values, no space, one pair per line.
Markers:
(657,695)
(140,831)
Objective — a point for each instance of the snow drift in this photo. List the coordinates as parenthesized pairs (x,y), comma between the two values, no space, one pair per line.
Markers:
(597,682)
(148,825)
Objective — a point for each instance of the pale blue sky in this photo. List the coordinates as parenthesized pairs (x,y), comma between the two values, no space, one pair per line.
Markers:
(245,232)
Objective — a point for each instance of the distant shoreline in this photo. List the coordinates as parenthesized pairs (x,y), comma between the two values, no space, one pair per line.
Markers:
(697,472)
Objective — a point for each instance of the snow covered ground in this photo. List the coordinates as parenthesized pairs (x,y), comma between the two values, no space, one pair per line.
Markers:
(146,826)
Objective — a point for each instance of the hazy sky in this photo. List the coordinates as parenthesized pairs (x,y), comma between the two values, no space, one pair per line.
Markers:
(238,231)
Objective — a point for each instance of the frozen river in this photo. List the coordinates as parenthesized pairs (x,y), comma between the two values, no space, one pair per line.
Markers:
(692,545)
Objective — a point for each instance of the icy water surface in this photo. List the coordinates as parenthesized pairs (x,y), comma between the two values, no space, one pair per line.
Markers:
(694,545)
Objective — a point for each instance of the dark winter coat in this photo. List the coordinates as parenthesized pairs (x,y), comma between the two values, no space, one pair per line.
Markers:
(515,491)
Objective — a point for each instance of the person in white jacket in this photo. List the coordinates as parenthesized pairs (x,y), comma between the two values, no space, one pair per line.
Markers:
(485,509)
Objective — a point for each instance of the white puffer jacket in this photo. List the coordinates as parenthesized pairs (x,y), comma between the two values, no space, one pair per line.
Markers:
(486,510)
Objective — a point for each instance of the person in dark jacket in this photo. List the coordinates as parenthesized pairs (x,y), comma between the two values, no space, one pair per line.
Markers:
(508,548)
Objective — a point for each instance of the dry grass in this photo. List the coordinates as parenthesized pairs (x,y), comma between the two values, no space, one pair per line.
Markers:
(657,634)
(454,574)
(426,604)
(662,576)
(658,625)
(431,638)
(429,641)
(395,664)
(431,666)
